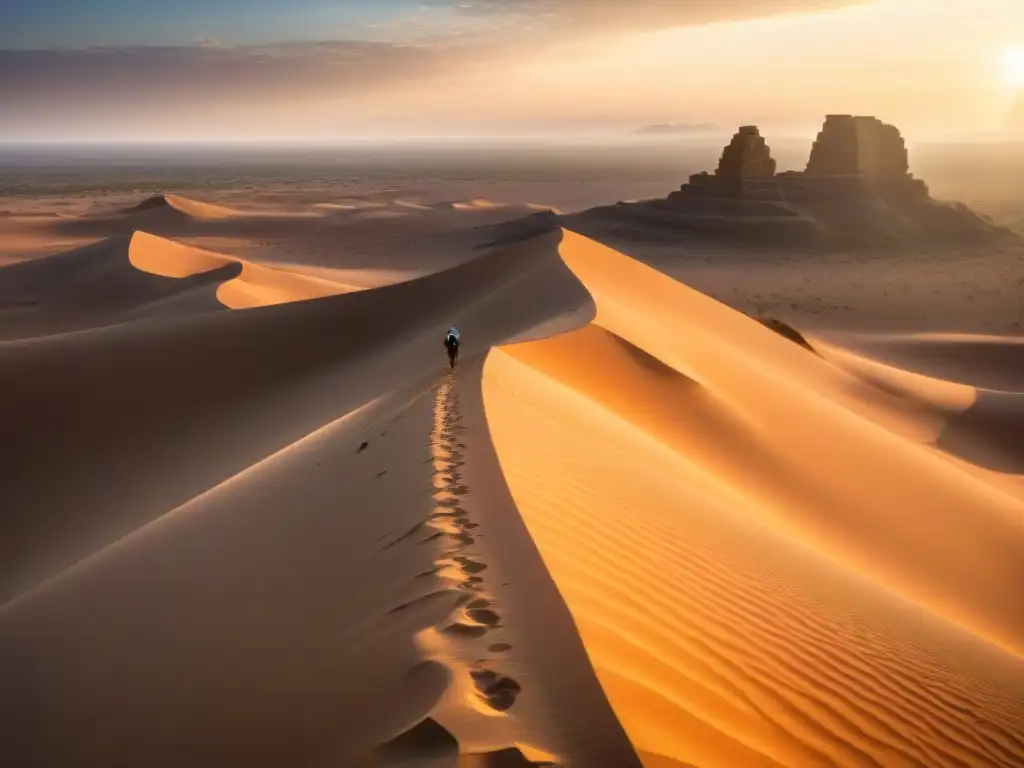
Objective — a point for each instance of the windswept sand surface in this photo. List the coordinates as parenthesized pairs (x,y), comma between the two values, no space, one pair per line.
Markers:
(251,517)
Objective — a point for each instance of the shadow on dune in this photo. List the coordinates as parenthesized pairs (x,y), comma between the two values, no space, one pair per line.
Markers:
(136,419)
(246,629)
(986,362)
(547,639)
(990,433)
(170,216)
(516,230)
(156,201)
(983,426)
(93,286)
(253,620)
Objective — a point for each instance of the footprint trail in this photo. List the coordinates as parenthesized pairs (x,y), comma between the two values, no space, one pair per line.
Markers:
(479,617)
(469,639)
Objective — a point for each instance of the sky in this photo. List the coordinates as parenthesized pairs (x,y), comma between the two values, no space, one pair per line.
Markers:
(339,70)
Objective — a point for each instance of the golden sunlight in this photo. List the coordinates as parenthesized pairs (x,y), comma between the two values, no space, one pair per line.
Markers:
(1013,66)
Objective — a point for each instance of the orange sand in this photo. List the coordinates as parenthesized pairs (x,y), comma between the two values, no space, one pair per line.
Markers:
(634,527)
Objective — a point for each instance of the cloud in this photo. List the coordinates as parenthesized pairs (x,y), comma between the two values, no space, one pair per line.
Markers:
(636,14)
(210,69)
(60,90)
(42,89)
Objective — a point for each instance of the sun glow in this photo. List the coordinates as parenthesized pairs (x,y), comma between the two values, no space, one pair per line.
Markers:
(1013,66)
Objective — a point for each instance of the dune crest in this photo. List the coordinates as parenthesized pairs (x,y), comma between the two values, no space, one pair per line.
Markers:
(140,275)
(763,571)
(192,208)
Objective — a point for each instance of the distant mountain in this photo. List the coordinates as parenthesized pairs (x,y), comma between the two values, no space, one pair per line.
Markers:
(682,129)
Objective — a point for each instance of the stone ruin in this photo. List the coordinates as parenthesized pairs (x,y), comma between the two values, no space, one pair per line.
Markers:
(856,182)
(745,158)
(854,158)
(858,146)
(863,150)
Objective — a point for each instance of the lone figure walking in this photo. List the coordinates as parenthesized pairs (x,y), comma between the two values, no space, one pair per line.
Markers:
(451,343)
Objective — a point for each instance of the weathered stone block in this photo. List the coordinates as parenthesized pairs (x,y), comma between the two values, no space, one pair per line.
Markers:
(858,146)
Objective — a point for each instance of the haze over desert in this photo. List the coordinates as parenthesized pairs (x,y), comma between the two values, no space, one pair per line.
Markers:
(726,465)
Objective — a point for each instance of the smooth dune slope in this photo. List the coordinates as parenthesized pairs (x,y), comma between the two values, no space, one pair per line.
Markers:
(255,285)
(327,606)
(137,276)
(989,362)
(269,545)
(769,560)
(980,426)
(373,238)
(205,394)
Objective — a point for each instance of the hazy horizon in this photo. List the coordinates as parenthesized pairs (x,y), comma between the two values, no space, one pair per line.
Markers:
(477,70)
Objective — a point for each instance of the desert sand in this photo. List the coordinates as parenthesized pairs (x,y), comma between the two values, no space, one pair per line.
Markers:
(252,518)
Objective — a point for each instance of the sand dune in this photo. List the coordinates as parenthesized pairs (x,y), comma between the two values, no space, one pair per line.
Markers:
(661,476)
(718,638)
(159,213)
(126,278)
(386,237)
(988,362)
(192,208)
(176,216)
(634,527)
(255,285)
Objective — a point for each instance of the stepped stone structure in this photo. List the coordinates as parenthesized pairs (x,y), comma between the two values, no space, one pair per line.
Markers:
(747,157)
(856,187)
(863,146)
(852,156)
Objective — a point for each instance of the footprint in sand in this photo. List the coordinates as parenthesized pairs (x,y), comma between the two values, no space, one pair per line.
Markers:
(474,616)
(484,616)
(470,566)
(498,691)
(479,611)
(462,629)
